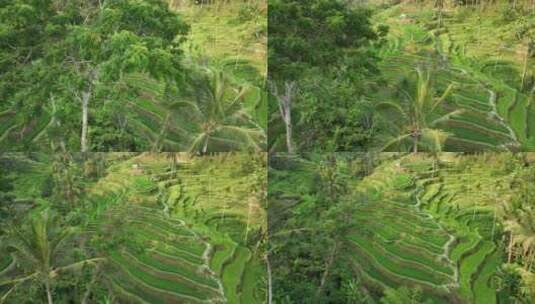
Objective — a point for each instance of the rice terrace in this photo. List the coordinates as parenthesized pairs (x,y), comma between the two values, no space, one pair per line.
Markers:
(401,75)
(133,228)
(402,228)
(267,151)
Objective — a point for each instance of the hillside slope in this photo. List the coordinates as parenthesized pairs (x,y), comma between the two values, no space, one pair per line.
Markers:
(483,52)
(434,225)
(171,229)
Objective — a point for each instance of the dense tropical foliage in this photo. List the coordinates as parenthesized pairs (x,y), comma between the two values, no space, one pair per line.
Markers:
(104,75)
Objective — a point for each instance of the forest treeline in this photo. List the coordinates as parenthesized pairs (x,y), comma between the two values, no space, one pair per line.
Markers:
(124,75)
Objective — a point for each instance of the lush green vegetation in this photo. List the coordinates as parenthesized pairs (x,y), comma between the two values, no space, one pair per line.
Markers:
(133,228)
(132,76)
(400,75)
(402,228)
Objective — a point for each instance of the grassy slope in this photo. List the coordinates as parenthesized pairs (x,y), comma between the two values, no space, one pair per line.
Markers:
(220,185)
(467,197)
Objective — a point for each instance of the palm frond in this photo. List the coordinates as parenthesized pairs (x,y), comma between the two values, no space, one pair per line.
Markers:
(197,142)
(423,88)
(441,99)
(252,137)
(185,104)
(446,117)
(392,105)
(75,266)
(19,280)
(395,140)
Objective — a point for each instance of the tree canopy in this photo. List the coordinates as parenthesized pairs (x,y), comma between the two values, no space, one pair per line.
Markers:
(314,33)
(58,58)
(326,49)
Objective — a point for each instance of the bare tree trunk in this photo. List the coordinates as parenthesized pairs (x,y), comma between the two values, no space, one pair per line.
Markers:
(85,109)
(325,275)
(270,281)
(48,293)
(285,109)
(289,131)
(205,145)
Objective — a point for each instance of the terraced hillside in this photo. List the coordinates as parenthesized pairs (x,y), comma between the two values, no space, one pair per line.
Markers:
(229,29)
(468,202)
(164,241)
(482,125)
(433,225)
(191,254)
(434,234)
(497,114)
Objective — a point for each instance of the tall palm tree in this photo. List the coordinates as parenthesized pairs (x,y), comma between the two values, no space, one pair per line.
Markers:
(39,251)
(216,109)
(419,121)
